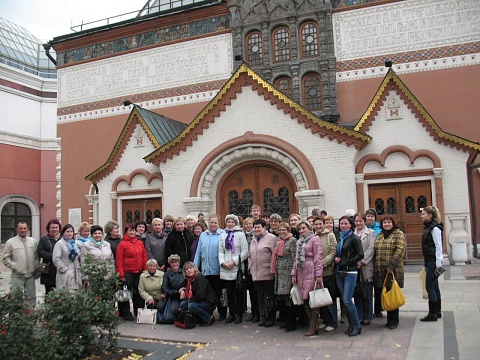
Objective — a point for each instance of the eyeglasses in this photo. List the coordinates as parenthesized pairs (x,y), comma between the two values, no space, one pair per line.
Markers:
(282,229)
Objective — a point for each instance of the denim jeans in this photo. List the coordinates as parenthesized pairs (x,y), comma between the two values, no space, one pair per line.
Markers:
(431,283)
(346,284)
(201,309)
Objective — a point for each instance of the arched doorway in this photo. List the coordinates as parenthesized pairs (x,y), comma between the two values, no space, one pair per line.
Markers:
(259,182)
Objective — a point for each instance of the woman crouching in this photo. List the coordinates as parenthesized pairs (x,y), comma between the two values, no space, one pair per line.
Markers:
(198,295)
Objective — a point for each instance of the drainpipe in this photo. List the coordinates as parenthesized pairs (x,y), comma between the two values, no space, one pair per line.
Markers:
(471,189)
(47,47)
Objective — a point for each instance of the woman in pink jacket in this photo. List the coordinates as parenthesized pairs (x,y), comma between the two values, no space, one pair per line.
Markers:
(308,270)
(259,258)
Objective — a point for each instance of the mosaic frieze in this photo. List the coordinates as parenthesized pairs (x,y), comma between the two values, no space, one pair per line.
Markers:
(138,41)
(347,3)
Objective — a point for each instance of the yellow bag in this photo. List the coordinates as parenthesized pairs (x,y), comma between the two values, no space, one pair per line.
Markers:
(423,279)
(393,299)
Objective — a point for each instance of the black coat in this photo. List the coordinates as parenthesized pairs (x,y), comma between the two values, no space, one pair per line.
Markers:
(113,244)
(45,251)
(179,243)
(202,291)
(172,282)
(352,252)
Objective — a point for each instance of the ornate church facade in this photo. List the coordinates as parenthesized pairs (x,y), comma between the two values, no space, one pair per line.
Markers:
(286,104)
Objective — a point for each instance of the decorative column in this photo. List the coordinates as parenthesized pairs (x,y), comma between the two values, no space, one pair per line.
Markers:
(308,200)
(359,180)
(59,179)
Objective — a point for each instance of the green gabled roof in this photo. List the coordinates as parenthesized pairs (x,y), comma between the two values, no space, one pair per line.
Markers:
(159,129)
(162,128)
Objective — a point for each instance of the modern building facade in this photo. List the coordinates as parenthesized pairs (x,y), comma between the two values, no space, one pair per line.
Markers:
(283,103)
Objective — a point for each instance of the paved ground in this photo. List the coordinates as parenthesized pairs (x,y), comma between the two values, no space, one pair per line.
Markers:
(455,336)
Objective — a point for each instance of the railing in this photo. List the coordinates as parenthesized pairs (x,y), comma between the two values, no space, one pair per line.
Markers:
(162,6)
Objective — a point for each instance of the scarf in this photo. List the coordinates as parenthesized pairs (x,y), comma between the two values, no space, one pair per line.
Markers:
(387,233)
(83,239)
(98,243)
(188,289)
(343,236)
(72,249)
(230,240)
(302,242)
(279,251)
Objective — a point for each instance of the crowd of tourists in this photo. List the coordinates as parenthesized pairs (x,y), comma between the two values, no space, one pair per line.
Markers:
(193,263)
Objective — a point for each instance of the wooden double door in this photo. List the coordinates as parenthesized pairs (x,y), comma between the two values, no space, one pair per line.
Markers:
(261,183)
(141,209)
(404,201)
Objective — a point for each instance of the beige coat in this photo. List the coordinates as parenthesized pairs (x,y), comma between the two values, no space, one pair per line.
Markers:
(19,255)
(150,286)
(97,253)
(368,245)
(260,256)
(68,272)
(329,244)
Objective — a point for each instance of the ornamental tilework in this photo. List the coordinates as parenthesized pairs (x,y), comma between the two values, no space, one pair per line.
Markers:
(411,56)
(138,98)
(139,41)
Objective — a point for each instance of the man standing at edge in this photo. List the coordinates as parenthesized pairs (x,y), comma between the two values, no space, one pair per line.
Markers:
(19,255)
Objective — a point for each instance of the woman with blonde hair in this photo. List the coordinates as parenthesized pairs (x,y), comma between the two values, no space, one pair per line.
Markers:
(155,243)
(179,241)
(190,220)
(432,256)
(83,235)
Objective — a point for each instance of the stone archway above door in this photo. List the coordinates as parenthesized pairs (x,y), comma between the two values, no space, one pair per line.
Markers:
(248,147)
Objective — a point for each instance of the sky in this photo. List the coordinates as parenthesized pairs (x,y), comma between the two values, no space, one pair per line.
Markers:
(47,19)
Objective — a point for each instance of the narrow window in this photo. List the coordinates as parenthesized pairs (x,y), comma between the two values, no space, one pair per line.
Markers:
(285,85)
(281,43)
(255,48)
(309,32)
(312,92)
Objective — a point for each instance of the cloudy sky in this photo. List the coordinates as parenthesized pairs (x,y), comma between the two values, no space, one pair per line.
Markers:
(47,19)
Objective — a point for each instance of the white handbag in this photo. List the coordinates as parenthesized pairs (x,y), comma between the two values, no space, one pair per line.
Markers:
(319,297)
(296,296)
(147,316)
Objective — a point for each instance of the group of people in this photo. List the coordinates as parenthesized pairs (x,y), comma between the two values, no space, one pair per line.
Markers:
(194,264)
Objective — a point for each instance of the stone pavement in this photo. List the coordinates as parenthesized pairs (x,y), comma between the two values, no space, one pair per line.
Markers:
(455,336)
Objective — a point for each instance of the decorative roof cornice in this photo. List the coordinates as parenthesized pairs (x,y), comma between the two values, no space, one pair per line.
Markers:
(245,76)
(133,119)
(393,82)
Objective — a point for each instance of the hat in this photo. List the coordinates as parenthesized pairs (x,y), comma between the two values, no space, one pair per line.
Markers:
(233,217)
(173,257)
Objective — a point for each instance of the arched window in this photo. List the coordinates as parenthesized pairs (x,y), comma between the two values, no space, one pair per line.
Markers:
(309,33)
(312,92)
(255,48)
(12,214)
(285,85)
(281,44)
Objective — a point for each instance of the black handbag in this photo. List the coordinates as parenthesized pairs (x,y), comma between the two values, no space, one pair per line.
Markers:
(361,288)
(184,319)
(240,282)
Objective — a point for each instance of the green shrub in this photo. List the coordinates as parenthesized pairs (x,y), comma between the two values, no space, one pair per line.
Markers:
(69,325)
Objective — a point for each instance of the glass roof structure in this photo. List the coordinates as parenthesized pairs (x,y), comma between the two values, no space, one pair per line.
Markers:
(22,50)
(153,6)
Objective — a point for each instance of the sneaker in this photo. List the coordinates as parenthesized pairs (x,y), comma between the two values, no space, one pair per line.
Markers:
(322,326)
(329,329)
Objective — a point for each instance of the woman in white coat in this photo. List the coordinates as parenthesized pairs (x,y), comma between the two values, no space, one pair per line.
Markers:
(66,258)
(364,294)
(232,252)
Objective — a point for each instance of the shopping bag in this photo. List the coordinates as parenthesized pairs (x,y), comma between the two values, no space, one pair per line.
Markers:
(147,316)
(123,294)
(394,298)
(296,296)
(184,319)
(423,279)
(319,297)
(166,313)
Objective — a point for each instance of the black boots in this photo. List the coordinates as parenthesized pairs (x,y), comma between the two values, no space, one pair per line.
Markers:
(432,312)
(439,309)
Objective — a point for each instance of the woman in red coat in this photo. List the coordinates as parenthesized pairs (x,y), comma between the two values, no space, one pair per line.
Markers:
(131,261)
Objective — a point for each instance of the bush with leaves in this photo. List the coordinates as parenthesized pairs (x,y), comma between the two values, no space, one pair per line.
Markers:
(70,325)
